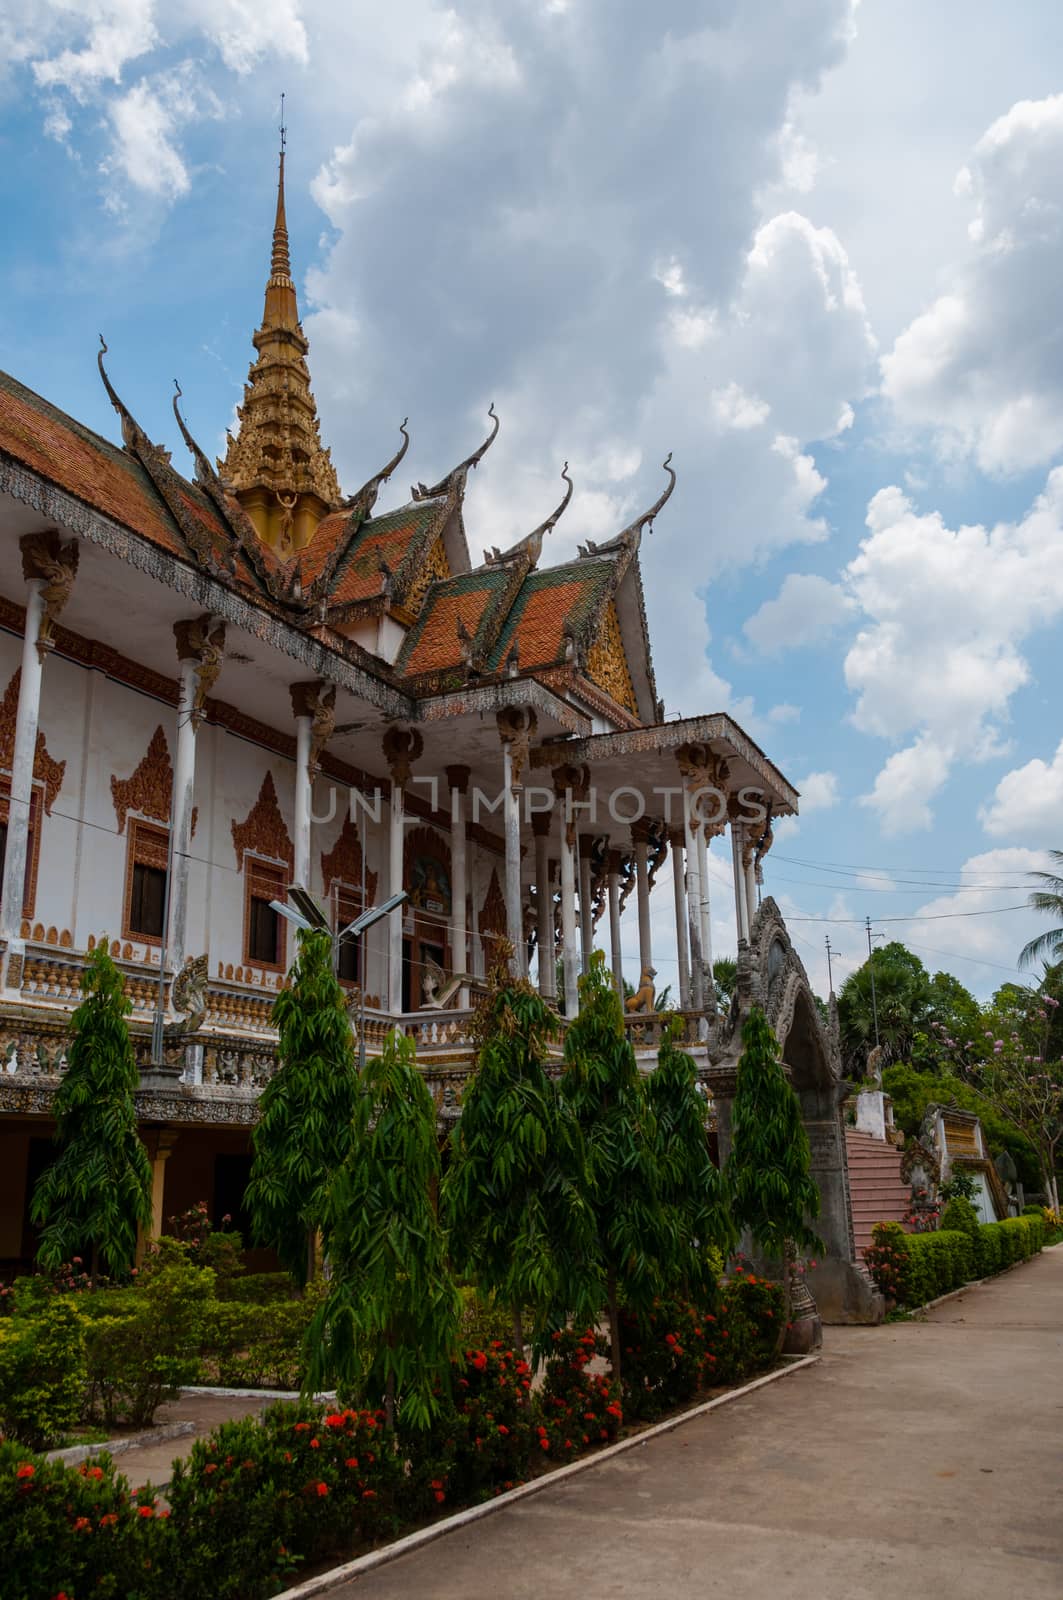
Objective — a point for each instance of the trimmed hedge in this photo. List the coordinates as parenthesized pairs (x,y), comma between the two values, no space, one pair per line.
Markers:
(912,1268)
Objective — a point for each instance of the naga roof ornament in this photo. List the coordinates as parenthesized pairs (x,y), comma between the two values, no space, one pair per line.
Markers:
(366,498)
(630,538)
(455,478)
(530,548)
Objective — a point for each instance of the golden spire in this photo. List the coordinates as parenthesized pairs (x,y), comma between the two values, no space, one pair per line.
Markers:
(276,465)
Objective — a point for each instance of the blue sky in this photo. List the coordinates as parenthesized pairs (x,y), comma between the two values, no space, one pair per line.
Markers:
(814,249)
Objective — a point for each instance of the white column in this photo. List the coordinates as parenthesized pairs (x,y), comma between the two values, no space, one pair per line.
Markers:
(741,906)
(514,899)
(458,778)
(705,912)
(614,921)
(677,841)
(642,891)
(302,800)
(544,908)
(396,846)
(750,874)
(184,777)
(586,903)
(18,812)
(693,881)
(569,951)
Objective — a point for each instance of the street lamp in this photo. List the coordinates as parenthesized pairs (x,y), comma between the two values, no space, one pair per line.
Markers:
(308,915)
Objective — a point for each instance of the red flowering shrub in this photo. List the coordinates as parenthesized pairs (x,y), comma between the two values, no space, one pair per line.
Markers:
(665,1357)
(579,1408)
(76,1531)
(256,1497)
(483,1441)
(748,1331)
(888,1261)
(676,1348)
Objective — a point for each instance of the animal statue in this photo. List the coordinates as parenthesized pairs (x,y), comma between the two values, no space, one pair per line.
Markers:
(188,996)
(642,1001)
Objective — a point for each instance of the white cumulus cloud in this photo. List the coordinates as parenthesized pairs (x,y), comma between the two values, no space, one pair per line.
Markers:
(806,610)
(982,366)
(1027,803)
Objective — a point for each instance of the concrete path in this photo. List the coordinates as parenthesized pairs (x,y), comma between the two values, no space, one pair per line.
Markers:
(153,1463)
(918,1461)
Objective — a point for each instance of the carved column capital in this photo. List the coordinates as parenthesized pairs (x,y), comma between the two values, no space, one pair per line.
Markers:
(45,559)
(401,747)
(316,700)
(516,728)
(202,640)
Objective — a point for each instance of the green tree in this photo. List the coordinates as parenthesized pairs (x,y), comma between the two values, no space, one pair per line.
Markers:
(1048,900)
(97,1191)
(725,976)
(912,1091)
(390,1322)
(768,1171)
(900,998)
(603,1086)
(514,1196)
(306,1110)
(691,1189)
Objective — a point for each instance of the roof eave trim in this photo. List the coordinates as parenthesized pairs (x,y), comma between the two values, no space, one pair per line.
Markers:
(201,590)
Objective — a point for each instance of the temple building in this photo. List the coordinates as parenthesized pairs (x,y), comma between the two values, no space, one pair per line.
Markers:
(218,686)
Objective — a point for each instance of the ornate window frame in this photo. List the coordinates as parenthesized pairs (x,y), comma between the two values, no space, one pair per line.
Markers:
(148,845)
(265,873)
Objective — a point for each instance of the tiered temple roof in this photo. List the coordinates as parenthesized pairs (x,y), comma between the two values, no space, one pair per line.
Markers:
(271,522)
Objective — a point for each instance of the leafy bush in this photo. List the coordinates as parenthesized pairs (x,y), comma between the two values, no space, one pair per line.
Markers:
(76,1531)
(42,1371)
(482,1441)
(139,1359)
(960,1214)
(579,1408)
(483,1321)
(258,1346)
(940,1262)
(889,1263)
(256,1498)
(748,1331)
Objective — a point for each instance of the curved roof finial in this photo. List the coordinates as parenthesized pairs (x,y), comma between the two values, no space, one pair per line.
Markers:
(455,478)
(634,529)
(204,471)
(365,499)
(130,427)
(531,545)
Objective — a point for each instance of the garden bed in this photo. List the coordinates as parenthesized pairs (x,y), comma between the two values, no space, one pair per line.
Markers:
(543,1477)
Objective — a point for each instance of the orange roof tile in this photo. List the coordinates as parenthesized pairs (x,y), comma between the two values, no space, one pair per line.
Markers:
(74,458)
(388,538)
(437,644)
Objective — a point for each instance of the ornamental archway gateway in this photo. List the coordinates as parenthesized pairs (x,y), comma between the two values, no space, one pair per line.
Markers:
(772,976)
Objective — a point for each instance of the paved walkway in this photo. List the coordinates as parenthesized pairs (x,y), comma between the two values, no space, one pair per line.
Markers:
(153,1463)
(918,1461)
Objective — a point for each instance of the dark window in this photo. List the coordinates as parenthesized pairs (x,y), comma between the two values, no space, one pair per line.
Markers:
(3,851)
(347,967)
(262,931)
(232,1174)
(147,900)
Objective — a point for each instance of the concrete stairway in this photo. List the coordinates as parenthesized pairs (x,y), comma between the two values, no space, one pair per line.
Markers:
(876,1189)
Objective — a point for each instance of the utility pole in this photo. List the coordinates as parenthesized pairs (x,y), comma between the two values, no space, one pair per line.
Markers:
(830,970)
(871,965)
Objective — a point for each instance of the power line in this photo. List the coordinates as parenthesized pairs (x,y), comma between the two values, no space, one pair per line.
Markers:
(855,867)
(937,916)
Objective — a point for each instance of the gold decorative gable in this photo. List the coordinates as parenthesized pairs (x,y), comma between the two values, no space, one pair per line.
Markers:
(607,664)
(45,770)
(263,831)
(433,569)
(150,787)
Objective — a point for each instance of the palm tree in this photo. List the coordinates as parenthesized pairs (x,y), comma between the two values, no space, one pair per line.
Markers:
(1049,900)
